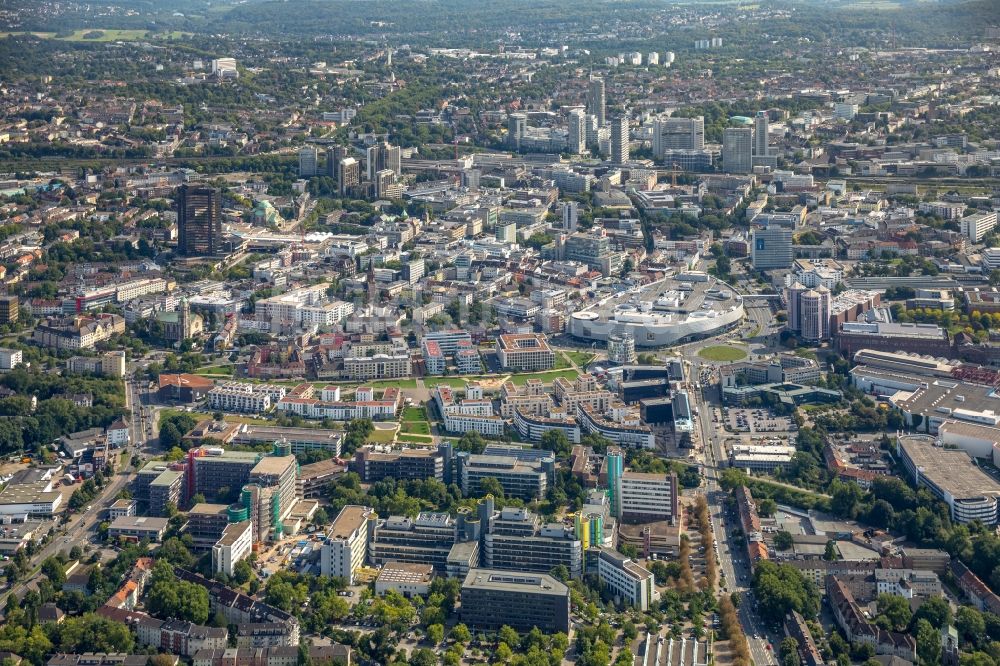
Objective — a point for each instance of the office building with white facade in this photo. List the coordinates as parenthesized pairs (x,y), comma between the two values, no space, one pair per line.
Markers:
(629,582)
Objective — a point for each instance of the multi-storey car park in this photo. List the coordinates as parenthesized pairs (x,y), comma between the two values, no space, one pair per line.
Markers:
(687,306)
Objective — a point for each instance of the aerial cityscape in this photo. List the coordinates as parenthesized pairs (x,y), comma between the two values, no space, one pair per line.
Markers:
(530,333)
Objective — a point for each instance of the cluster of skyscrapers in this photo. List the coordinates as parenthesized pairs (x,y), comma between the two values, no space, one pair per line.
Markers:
(382,168)
(678,142)
(743,148)
(585,127)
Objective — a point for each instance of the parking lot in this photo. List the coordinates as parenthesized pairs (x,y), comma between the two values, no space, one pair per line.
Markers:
(760,420)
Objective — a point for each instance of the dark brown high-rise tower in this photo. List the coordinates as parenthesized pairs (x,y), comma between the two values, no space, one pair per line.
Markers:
(199,221)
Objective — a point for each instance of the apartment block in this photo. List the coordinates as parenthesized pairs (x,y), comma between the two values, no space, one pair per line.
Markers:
(975,227)
(379,366)
(239,397)
(346,545)
(525,351)
(235,545)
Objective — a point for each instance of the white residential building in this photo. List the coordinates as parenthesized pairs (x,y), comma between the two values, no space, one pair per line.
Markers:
(378,366)
(302,403)
(991,258)
(117,433)
(815,273)
(247,398)
(978,225)
(346,545)
(136,288)
(305,307)
(235,545)
(225,68)
(474,413)
(946,210)
(377,410)
(10,358)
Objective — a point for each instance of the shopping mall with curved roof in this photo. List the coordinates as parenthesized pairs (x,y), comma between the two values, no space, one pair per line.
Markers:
(685,307)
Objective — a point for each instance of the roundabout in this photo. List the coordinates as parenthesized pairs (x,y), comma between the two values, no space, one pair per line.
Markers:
(722,353)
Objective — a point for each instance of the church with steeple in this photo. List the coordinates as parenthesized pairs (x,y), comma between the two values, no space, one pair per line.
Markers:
(181,323)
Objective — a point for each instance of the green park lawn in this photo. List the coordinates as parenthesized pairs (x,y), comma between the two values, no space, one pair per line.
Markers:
(414,414)
(225,370)
(723,353)
(416,427)
(415,439)
(581,358)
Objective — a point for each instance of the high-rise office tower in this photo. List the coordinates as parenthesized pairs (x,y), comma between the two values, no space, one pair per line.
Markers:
(383,179)
(334,156)
(814,314)
(771,248)
(389,157)
(570,214)
(577,137)
(517,123)
(596,99)
(619,139)
(8,309)
(615,459)
(470,178)
(677,134)
(308,159)
(199,220)
(350,174)
(794,322)
(737,150)
(371,162)
(590,122)
(506,232)
(760,134)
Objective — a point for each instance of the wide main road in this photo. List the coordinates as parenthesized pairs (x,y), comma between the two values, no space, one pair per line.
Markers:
(732,555)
